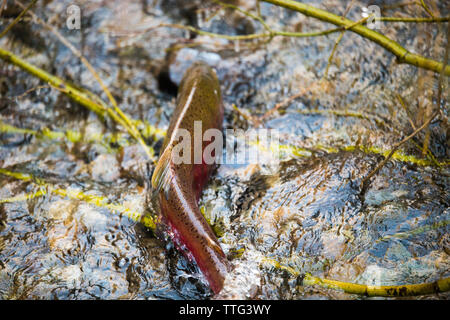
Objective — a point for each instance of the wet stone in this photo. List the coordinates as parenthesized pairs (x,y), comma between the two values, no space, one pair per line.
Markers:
(307,214)
(105,168)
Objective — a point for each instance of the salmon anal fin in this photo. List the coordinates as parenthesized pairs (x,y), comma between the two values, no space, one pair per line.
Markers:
(215,246)
(163,174)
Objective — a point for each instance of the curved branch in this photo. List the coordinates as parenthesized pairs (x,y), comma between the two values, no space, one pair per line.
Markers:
(405,290)
(118,113)
(5,31)
(441,285)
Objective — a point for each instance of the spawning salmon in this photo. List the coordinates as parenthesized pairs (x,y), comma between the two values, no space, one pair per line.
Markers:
(179,185)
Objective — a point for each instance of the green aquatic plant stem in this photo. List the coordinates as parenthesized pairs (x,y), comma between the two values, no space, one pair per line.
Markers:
(112,142)
(100,201)
(403,55)
(85,100)
(338,40)
(72,92)
(366,180)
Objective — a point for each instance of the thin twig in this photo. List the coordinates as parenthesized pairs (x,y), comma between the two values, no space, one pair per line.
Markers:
(338,40)
(98,201)
(247,117)
(275,33)
(408,116)
(27,92)
(415,20)
(285,103)
(282,104)
(248,14)
(212,34)
(75,94)
(402,103)
(440,285)
(214,14)
(365,181)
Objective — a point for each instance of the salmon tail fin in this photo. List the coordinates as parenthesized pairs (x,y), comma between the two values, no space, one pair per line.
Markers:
(163,174)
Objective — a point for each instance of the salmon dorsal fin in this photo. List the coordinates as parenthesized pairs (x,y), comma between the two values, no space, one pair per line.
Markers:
(163,174)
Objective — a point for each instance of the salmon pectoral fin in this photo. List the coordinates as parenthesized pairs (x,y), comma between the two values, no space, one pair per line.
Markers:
(163,174)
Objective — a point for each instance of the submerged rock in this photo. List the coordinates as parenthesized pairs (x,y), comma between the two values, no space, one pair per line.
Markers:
(105,168)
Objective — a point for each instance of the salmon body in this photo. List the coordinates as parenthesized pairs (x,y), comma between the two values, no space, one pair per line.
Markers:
(179,185)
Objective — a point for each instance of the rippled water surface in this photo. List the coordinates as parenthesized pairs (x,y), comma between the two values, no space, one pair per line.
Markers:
(309,214)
